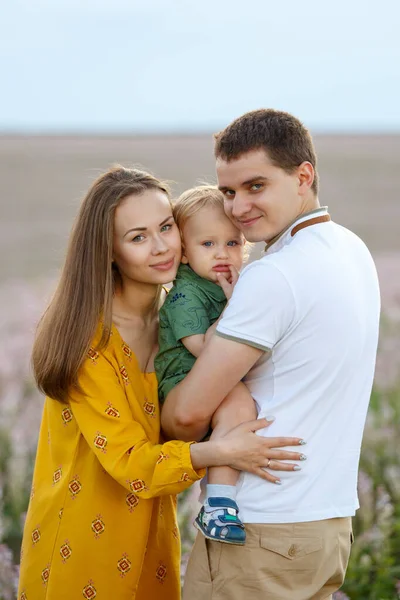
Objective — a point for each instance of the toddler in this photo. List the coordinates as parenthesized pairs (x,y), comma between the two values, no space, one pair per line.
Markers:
(212,254)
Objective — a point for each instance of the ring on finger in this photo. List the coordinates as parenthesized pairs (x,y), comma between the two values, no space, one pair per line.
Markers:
(268,463)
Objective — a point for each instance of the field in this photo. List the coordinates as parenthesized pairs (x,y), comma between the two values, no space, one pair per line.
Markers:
(42,180)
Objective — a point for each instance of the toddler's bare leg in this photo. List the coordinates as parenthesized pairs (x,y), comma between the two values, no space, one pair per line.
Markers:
(237,408)
(219,518)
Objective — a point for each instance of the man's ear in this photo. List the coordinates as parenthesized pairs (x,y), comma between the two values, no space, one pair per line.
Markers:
(306,174)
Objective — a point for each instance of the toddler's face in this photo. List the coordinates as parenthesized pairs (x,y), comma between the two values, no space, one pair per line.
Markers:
(211,243)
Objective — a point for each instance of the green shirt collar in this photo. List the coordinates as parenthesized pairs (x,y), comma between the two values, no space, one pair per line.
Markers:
(210,288)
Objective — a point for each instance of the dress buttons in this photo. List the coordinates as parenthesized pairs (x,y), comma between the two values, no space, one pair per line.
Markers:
(292,550)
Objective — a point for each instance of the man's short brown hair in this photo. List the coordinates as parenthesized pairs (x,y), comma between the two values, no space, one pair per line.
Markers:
(283,137)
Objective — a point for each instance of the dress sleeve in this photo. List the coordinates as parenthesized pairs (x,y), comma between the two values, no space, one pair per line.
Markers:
(105,419)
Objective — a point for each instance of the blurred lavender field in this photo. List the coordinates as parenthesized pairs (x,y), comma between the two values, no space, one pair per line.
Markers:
(41,183)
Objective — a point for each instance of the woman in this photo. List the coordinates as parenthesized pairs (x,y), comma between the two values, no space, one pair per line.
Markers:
(102,517)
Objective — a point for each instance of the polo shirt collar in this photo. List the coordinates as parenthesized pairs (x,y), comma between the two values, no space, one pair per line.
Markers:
(210,288)
(284,236)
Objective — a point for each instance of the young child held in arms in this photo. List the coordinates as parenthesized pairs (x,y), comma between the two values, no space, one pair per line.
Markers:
(212,254)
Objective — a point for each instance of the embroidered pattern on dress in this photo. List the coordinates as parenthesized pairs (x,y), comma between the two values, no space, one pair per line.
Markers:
(124,374)
(137,485)
(98,526)
(111,411)
(66,415)
(74,487)
(127,351)
(93,355)
(162,457)
(149,408)
(161,573)
(35,535)
(132,501)
(100,442)
(46,574)
(65,551)
(89,591)
(57,475)
(124,565)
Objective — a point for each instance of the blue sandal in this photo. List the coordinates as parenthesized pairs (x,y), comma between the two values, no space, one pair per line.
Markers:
(221,524)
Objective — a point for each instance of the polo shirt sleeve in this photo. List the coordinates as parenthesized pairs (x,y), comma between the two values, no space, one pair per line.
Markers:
(188,313)
(261,309)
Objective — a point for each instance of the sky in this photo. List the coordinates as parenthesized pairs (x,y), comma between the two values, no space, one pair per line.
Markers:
(125,66)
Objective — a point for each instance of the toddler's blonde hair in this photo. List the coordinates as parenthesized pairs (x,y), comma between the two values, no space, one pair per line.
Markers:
(193,200)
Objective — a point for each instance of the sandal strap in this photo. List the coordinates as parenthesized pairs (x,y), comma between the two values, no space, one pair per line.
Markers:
(222,503)
(229,519)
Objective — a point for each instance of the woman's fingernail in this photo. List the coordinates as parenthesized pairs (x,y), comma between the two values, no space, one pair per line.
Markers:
(296,468)
(270,418)
(278,482)
(303,457)
(302,442)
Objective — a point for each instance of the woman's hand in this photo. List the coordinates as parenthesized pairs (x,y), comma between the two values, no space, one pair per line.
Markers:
(243,450)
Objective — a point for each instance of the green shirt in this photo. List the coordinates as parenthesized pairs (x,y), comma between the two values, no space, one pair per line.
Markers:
(191,306)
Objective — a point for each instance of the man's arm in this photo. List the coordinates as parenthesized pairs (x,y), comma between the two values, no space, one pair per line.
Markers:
(260,312)
(189,407)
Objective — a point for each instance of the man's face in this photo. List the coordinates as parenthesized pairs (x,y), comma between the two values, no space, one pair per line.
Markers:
(260,198)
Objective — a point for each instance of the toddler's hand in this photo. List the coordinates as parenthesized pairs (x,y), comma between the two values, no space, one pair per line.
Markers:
(228,281)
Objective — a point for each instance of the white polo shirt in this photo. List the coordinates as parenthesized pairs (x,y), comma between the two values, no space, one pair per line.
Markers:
(312,303)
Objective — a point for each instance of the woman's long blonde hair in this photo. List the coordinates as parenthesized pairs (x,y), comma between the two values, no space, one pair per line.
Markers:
(86,287)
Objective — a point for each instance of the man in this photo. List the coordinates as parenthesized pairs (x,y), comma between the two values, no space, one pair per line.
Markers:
(302,330)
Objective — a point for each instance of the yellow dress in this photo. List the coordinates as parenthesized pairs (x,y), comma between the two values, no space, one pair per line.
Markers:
(101,522)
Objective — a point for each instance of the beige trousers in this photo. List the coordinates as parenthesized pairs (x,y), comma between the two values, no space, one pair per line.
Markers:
(291,561)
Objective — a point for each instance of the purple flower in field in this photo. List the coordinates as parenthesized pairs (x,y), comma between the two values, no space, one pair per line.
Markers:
(8,574)
(364,483)
(340,596)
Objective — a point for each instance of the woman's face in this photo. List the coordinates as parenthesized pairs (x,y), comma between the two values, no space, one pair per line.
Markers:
(147,243)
